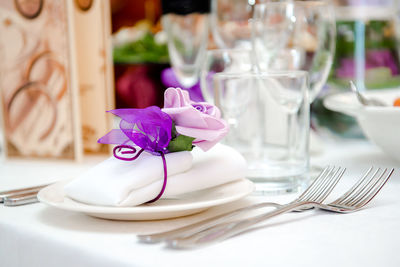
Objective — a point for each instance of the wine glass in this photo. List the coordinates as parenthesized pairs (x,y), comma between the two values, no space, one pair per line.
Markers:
(230,23)
(187,42)
(297,35)
(226,61)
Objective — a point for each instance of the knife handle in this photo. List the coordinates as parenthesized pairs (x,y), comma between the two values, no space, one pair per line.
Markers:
(21,199)
(11,193)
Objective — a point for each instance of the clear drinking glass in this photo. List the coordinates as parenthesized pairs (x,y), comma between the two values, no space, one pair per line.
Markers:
(226,61)
(187,43)
(298,35)
(269,119)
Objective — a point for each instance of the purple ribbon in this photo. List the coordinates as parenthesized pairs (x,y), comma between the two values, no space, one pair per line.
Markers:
(132,150)
(164,182)
(148,128)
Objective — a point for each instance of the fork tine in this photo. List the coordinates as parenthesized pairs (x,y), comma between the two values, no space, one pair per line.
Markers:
(324,185)
(365,185)
(333,182)
(363,191)
(321,176)
(353,188)
(374,191)
(317,183)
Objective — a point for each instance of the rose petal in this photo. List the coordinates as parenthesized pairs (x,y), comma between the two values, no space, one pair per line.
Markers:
(214,123)
(175,97)
(199,120)
(187,116)
(205,145)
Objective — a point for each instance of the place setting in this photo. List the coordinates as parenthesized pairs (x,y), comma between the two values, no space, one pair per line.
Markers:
(258,104)
(243,121)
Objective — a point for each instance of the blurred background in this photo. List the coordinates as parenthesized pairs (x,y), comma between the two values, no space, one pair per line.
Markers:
(140,52)
(141,59)
(143,47)
(366,50)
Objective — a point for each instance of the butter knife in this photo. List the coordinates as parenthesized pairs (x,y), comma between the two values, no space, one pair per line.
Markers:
(21,199)
(10,193)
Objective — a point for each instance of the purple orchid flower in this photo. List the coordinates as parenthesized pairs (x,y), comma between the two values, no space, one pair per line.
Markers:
(148,128)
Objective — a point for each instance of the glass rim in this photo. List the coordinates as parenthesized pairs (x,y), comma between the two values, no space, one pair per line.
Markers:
(264,74)
(294,6)
(310,3)
(209,51)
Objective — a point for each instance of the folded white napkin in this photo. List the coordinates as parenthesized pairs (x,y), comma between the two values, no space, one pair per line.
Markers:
(129,183)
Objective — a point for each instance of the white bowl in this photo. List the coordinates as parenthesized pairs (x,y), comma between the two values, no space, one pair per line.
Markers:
(380,124)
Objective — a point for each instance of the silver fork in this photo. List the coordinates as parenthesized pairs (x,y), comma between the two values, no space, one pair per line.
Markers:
(316,192)
(353,200)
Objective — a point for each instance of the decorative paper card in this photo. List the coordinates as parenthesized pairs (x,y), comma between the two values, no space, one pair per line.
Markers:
(92,24)
(38,90)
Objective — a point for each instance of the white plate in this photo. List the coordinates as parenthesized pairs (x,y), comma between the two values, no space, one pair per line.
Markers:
(183,205)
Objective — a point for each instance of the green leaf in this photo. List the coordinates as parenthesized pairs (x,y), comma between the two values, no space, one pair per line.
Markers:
(181,143)
(174,133)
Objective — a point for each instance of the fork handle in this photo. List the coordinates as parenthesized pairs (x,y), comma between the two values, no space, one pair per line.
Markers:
(225,230)
(192,229)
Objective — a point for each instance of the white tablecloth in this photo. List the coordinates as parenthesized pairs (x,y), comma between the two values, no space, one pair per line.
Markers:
(38,235)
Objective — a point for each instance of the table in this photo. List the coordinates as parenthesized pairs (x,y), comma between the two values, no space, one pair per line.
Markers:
(37,235)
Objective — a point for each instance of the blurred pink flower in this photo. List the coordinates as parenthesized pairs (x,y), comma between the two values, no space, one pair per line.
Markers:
(373,59)
(135,89)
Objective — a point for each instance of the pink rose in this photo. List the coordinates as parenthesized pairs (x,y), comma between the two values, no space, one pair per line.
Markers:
(199,120)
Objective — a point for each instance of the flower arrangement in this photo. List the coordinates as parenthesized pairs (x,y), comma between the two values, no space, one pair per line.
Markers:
(179,126)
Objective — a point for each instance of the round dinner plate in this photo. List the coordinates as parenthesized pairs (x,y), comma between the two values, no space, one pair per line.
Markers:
(185,204)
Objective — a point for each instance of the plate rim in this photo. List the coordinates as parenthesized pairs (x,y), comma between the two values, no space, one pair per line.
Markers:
(149,209)
(356,110)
